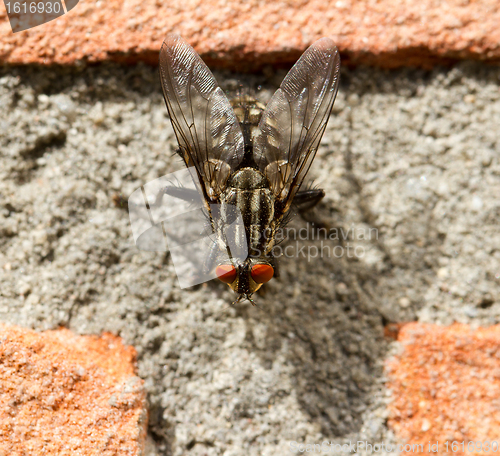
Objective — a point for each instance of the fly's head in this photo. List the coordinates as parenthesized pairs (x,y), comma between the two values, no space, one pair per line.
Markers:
(246,277)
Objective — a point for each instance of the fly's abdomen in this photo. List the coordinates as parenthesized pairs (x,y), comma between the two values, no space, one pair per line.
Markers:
(248,110)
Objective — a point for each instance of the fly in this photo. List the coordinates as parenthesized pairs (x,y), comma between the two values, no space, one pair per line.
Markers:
(248,156)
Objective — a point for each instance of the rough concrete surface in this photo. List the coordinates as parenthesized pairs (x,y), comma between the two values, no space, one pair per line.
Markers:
(411,155)
(255,33)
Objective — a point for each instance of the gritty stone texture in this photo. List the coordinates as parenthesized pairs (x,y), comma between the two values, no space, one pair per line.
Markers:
(250,34)
(445,384)
(410,167)
(63,394)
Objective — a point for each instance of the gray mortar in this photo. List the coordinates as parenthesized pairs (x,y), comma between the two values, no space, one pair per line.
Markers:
(412,154)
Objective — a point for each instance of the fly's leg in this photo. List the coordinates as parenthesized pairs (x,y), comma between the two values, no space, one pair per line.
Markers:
(211,258)
(275,265)
(186,194)
(189,195)
(189,222)
(306,200)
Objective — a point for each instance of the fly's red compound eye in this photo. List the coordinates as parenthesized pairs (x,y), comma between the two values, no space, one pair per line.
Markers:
(262,273)
(226,273)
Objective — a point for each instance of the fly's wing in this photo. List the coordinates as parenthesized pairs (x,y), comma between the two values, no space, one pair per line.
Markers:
(295,119)
(209,135)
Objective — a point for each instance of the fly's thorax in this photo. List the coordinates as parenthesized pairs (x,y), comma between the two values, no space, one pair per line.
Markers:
(248,191)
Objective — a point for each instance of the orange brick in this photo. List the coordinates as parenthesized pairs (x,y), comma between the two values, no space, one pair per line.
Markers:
(245,35)
(66,394)
(446,386)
